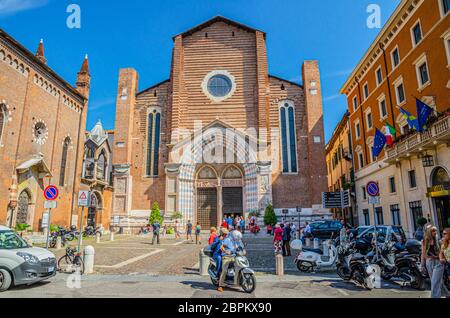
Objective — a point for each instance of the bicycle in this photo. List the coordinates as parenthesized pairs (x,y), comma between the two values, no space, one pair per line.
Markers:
(71,262)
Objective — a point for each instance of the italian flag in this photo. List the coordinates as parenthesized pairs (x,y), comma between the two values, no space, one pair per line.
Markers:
(390,134)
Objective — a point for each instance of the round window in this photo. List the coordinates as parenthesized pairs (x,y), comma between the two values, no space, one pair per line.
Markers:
(219,85)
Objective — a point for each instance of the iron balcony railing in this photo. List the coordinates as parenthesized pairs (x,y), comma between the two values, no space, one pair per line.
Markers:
(439,131)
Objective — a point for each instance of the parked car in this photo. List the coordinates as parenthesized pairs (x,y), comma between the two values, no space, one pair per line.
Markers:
(382,231)
(326,229)
(21,264)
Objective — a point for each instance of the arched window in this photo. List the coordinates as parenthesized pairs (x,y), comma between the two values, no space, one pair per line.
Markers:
(153,142)
(101,166)
(288,137)
(88,171)
(62,172)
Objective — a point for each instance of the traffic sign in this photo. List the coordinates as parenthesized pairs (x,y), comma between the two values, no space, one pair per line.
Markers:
(51,193)
(374,200)
(332,200)
(50,205)
(84,198)
(373,189)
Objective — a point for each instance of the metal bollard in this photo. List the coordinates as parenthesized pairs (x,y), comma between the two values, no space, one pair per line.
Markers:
(111,236)
(89,256)
(279,265)
(204,263)
(58,243)
(97,238)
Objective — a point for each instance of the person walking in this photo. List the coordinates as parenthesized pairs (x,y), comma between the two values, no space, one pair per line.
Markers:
(278,240)
(212,235)
(242,225)
(431,260)
(156,232)
(177,230)
(224,223)
(287,240)
(198,231)
(189,231)
(230,222)
(445,251)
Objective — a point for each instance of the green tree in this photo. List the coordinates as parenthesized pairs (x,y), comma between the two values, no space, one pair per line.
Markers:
(155,214)
(270,218)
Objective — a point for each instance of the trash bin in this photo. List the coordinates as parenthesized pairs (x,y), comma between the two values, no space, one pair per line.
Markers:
(204,263)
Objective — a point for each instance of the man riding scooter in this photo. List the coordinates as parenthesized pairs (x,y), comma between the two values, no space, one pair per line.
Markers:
(216,248)
(228,249)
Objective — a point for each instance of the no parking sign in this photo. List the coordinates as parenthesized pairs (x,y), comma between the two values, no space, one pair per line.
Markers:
(373,189)
(51,193)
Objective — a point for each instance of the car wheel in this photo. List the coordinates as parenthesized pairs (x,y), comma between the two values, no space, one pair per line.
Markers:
(5,280)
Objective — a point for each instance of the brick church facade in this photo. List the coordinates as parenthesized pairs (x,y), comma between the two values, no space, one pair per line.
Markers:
(42,120)
(221,135)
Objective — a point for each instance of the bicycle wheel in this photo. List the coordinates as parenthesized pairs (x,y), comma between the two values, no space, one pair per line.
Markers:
(65,265)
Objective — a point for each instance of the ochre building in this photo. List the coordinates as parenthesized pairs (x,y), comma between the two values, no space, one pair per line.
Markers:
(409,60)
(221,135)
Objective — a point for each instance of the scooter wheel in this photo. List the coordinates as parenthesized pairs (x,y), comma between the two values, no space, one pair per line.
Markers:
(248,283)
(305,267)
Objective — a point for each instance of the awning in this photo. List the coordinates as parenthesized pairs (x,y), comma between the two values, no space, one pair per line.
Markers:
(35,161)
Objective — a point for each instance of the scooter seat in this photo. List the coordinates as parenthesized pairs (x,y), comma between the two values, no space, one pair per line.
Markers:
(318,251)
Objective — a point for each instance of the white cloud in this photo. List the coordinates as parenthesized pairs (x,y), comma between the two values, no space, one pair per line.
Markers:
(330,98)
(9,7)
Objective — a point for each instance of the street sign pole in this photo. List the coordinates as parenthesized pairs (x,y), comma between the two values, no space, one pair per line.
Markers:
(80,238)
(48,227)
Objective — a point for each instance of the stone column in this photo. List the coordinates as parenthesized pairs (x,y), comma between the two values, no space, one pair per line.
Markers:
(264,184)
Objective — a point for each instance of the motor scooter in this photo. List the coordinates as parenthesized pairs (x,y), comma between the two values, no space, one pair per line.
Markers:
(239,273)
(310,259)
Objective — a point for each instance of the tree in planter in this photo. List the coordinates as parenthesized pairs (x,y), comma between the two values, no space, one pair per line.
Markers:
(270,218)
(155,214)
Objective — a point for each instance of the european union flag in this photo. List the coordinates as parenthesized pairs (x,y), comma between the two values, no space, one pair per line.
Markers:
(412,121)
(378,143)
(423,113)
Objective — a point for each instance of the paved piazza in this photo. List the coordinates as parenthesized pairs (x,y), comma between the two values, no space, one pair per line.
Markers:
(132,267)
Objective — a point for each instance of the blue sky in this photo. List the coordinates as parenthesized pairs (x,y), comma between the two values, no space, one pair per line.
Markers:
(138,34)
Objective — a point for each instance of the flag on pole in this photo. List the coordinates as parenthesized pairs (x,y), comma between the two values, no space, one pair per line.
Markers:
(423,113)
(412,120)
(378,143)
(390,134)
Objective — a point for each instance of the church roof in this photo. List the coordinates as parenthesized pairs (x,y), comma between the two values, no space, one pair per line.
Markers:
(215,20)
(98,135)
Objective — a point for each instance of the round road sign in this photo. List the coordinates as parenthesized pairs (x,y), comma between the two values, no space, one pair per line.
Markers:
(51,193)
(373,189)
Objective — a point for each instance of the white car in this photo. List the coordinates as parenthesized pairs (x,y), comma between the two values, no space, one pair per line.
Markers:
(21,264)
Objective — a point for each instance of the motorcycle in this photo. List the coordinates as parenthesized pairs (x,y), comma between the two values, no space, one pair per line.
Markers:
(404,265)
(91,231)
(239,273)
(353,266)
(310,259)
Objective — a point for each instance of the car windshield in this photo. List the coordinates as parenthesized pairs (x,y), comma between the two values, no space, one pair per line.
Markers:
(10,240)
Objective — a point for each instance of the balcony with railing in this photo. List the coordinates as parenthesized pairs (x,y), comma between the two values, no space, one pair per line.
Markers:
(437,133)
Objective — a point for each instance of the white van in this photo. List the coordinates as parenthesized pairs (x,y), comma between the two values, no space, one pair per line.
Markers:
(21,264)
